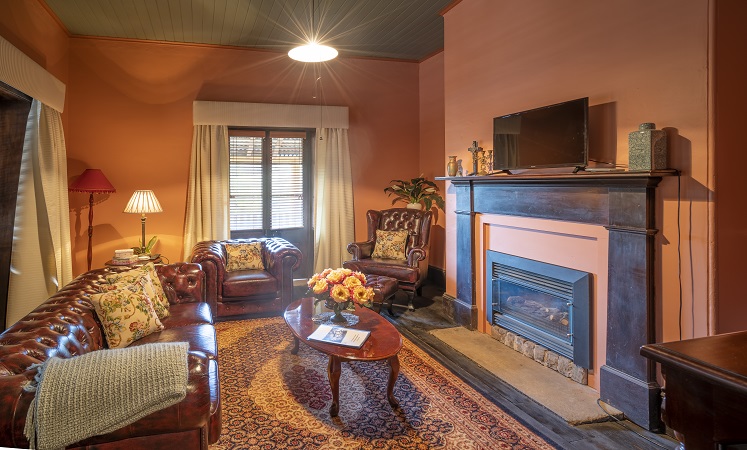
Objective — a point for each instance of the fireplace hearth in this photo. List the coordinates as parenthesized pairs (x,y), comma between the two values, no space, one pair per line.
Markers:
(544,303)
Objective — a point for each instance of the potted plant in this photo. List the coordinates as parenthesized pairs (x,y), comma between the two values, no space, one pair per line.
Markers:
(416,193)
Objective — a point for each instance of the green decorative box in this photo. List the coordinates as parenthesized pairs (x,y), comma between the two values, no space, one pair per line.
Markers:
(647,148)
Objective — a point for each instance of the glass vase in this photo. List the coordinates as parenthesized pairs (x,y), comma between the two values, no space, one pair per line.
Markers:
(338,317)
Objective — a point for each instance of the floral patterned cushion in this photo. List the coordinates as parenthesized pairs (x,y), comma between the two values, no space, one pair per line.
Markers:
(148,277)
(244,256)
(390,244)
(126,315)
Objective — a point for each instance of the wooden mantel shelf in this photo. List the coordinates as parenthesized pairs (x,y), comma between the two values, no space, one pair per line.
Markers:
(591,177)
(624,203)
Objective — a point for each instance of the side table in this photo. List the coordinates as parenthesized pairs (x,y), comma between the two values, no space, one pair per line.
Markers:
(137,263)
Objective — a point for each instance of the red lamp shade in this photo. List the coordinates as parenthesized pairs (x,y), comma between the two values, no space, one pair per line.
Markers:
(92,180)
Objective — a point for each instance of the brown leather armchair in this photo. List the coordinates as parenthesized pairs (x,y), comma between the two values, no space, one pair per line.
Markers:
(243,292)
(410,273)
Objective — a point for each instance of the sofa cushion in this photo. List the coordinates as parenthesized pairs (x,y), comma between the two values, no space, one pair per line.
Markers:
(200,337)
(126,315)
(152,285)
(390,244)
(188,314)
(248,282)
(244,256)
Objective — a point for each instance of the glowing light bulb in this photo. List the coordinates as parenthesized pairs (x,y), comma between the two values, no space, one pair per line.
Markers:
(313,52)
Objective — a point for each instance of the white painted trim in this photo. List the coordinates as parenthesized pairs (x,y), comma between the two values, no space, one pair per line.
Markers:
(269,115)
(22,73)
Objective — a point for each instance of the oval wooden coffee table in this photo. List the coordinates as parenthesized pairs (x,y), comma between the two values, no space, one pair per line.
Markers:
(383,343)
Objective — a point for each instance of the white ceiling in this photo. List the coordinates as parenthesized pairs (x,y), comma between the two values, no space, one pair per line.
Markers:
(399,29)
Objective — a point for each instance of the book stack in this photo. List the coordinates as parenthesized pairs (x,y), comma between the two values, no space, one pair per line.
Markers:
(124,257)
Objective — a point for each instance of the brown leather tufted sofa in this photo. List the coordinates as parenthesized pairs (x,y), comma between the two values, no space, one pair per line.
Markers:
(66,325)
(411,272)
(243,292)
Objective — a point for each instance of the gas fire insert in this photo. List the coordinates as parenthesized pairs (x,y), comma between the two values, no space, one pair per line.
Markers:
(542,302)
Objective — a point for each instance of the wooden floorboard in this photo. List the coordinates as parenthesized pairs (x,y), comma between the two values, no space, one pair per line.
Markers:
(610,435)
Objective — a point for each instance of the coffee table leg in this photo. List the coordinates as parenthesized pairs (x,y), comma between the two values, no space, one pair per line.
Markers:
(333,372)
(294,350)
(393,373)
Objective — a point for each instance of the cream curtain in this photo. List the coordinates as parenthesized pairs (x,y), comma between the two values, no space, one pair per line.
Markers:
(207,194)
(333,199)
(41,259)
(52,167)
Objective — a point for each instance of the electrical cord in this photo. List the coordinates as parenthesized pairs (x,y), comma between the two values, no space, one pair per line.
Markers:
(620,422)
(679,250)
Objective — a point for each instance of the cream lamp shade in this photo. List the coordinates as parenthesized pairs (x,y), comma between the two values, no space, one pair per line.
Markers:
(143,202)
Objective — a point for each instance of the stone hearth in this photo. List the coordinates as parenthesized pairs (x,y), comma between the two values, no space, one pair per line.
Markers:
(540,354)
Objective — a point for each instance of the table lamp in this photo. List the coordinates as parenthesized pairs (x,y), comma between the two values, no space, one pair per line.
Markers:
(92,181)
(143,202)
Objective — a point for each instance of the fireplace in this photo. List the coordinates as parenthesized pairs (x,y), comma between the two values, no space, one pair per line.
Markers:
(544,303)
(624,204)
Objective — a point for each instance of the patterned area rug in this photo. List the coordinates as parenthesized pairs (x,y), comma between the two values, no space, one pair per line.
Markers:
(273,399)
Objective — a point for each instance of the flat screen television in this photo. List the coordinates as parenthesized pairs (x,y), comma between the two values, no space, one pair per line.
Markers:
(550,136)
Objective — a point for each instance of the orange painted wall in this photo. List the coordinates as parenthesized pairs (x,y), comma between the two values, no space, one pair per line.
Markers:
(130,106)
(432,164)
(637,61)
(730,98)
(30,28)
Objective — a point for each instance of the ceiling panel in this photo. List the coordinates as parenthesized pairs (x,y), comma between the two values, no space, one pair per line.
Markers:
(399,29)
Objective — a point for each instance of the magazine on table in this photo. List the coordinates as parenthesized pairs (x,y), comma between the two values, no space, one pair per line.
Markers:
(332,334)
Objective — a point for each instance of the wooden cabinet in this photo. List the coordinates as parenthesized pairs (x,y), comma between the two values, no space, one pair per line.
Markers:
(705,392)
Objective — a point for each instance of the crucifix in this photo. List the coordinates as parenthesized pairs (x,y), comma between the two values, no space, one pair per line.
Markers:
(476,156)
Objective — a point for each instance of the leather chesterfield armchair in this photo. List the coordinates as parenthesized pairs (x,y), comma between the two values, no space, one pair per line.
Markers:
(248,291)
(411,272)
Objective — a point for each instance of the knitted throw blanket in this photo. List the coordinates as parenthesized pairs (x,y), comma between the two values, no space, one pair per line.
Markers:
(102,391)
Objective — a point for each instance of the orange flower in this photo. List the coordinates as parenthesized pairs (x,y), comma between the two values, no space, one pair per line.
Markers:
(339,293)
(362,294)
(320,286)
(351,282)
(312,281)
(336,276)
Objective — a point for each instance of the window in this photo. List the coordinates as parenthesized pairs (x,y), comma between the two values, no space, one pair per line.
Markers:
(270,185)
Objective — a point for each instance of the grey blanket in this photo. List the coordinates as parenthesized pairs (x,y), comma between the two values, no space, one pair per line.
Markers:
(103,391)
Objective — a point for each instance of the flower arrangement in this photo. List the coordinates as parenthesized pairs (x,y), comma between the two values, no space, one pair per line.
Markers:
(417,190)
(340,289)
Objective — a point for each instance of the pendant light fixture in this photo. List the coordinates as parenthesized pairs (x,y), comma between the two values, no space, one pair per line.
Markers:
(313,51)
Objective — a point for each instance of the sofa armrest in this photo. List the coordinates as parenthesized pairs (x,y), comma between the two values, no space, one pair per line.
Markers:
(191,413)
(211,255)
(182,282)
(361,250)
(415,255)
(282,259)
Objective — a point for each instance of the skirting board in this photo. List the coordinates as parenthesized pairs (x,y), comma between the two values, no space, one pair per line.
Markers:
(638,400)
(459,312)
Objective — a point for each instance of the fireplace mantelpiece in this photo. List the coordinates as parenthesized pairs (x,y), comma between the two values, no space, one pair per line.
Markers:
(622,202)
